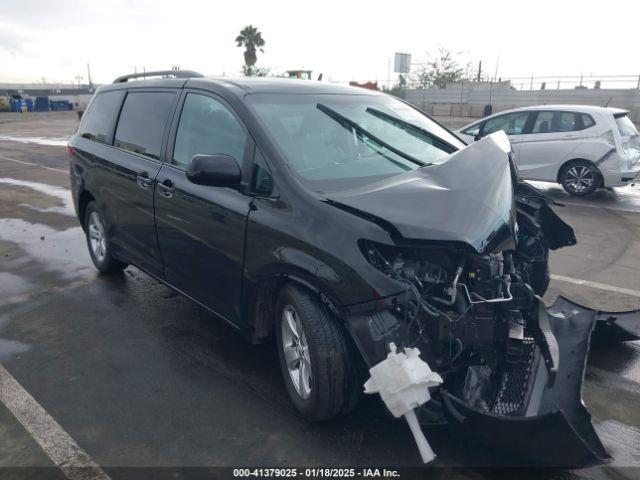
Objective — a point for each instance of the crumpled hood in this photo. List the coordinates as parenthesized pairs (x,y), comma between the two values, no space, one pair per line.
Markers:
(468,198)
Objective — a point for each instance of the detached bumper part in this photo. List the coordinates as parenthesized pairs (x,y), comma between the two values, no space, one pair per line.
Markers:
(537,422)
(610,326)
(403,382)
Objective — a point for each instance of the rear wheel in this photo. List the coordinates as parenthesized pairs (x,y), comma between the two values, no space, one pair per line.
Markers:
(580,178)
(98,241)
(316,358)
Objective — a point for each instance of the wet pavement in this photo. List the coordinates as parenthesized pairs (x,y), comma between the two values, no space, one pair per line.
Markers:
(140,376)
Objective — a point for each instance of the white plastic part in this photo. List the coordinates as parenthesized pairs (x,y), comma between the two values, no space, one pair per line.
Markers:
(403,381)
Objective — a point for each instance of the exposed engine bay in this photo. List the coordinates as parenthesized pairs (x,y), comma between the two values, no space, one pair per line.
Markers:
(508,363)
(474,316)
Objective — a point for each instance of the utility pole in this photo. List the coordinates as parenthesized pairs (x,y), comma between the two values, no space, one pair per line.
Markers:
(479,71)
(79,79)
(89,76)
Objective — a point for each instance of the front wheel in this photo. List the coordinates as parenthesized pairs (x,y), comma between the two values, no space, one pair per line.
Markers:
(316,358)
(98,241)
(580,178)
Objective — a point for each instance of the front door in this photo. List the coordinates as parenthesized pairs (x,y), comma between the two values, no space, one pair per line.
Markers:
(513,124)
(201,229)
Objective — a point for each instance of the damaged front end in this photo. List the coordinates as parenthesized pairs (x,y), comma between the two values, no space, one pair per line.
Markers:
(512,369)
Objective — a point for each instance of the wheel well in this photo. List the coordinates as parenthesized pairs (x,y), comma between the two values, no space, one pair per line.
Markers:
(263,307)
(85,198)
(566,164)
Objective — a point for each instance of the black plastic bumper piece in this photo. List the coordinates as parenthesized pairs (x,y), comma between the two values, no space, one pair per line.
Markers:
(610,326)
(553,427)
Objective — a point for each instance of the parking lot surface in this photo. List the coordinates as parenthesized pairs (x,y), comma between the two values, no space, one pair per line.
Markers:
(138,376)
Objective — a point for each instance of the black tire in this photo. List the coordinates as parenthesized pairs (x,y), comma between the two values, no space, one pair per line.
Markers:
(580,178)
(101,258)
(334,386)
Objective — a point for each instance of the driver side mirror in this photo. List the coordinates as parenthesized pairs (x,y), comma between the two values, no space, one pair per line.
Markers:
(214,170)
(477,137)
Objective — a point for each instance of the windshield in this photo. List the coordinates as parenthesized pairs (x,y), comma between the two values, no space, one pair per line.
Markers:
(340,141)
(626,126)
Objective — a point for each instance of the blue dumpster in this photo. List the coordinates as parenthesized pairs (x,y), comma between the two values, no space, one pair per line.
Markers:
(17,103)
(29,104)
(42,104)
(58,105)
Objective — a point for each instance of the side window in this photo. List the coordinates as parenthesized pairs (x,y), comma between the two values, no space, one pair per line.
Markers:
(98,121)
(510,123)
(262,179)
(543,123)
(142,122)
(587,121)
(472,130)
(207,127)
(548,122)
(565,122)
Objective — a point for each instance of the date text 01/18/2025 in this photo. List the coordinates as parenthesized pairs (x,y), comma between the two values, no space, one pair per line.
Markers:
(316,472)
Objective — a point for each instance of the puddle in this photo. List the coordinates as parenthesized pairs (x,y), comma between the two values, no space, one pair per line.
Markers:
(63,251)
(61,193)
(11,347)
(56,142)
(13,285)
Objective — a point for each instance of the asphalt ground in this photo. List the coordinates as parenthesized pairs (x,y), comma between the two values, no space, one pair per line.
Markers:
(135,375)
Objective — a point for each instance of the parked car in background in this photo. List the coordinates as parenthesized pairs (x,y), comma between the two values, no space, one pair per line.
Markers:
(580,147)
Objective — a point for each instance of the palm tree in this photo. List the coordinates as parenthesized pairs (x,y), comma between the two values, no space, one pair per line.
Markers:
(251,39)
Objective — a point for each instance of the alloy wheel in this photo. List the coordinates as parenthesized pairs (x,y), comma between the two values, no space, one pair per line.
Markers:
(579,178)
(296,351)
(97,238)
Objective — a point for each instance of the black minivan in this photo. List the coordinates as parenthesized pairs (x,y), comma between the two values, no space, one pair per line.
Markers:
(338,220)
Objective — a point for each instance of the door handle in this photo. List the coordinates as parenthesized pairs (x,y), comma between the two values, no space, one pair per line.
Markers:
(143,180)
(166,188)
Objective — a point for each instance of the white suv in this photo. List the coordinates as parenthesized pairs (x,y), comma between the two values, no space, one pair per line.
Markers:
(580,147)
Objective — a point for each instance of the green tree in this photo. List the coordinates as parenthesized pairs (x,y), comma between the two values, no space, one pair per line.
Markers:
(251,39)
(440,69)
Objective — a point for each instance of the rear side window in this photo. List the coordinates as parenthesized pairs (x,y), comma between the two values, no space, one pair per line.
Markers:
(207,127)
(142,122)
(587,121)
(547,122)
(97,123)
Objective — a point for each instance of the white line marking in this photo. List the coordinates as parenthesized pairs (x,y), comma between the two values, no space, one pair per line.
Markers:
(33,164)
(74,462)
(600,286)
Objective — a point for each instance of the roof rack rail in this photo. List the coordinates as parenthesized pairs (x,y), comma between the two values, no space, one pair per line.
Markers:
(159,73)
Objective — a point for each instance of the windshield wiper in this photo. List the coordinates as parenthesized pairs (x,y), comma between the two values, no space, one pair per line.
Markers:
(414,130)
(344,121)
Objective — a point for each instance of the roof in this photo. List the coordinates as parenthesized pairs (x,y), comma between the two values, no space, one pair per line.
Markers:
(283,85)
(571,108)
(248,85)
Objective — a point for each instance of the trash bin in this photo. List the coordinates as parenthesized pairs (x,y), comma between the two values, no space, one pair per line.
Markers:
(42,104)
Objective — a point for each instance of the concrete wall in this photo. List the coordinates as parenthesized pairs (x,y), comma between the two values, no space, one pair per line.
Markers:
(468,100)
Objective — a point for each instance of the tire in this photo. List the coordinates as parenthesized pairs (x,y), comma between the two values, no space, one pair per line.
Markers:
(580,178)
(324,356)
(98,241)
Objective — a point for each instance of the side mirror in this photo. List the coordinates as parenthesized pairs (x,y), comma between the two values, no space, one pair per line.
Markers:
(477,137)
(214,170)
